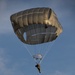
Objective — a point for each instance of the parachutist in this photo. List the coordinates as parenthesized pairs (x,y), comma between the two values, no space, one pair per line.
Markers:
(38,67)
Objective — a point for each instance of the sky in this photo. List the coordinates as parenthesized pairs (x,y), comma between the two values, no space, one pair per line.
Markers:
(14,57)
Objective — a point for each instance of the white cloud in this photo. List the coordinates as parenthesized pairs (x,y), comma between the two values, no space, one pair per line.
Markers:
(3,65)
(5,26)
(3,5)
(59,73)
(4,70)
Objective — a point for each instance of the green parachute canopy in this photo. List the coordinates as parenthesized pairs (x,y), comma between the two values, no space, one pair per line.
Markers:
(39,24)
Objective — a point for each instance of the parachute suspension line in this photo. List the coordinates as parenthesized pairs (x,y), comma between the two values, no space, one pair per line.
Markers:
(40,51)
(28,51)
(48,49)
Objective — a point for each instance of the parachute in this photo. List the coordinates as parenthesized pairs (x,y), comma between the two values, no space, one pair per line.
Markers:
(38,57)
(39,24)
(36,26)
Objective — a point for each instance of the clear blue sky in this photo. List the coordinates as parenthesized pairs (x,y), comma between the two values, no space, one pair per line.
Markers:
(14,58)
